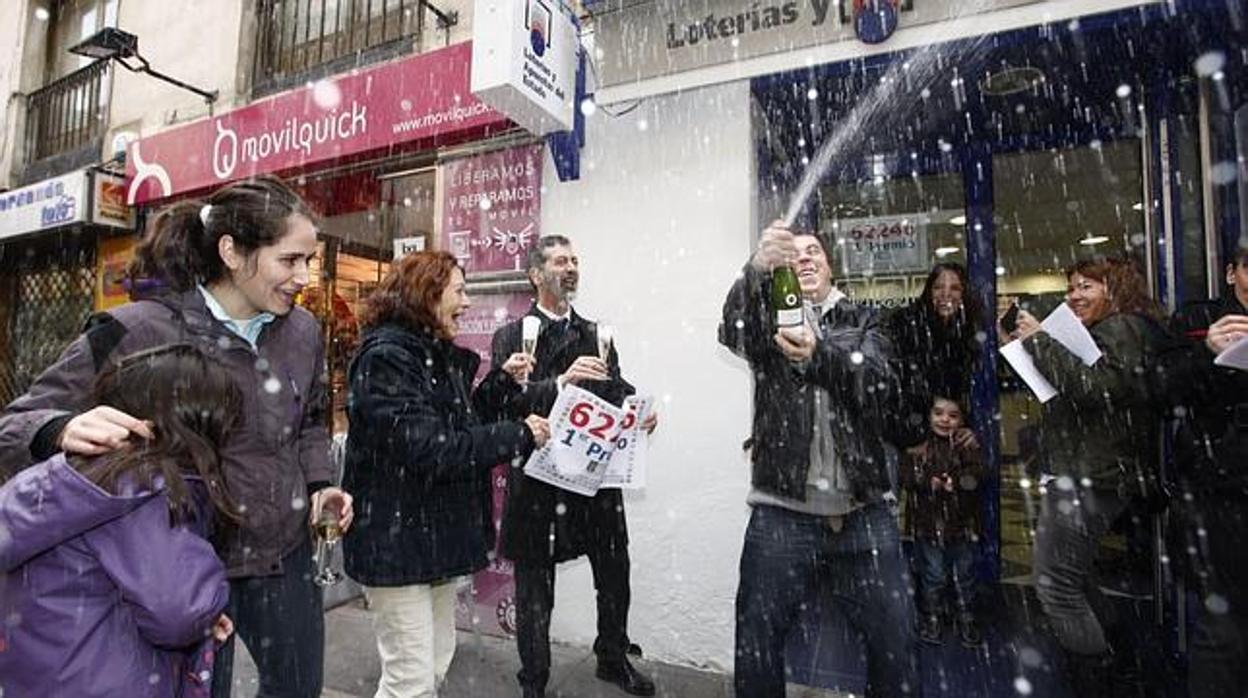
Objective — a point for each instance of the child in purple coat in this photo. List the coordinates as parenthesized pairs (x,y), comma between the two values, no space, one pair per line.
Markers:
(107,584)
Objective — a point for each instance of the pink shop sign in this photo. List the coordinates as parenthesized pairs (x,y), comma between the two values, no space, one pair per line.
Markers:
(421,98)
(492,208)
(491,606)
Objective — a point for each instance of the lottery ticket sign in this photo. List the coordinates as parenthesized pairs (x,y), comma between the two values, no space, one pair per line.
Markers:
(593,444)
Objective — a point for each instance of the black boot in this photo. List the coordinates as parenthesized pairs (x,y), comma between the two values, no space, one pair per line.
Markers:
(930,629)
(1089,674)
(626,676)
(968,631)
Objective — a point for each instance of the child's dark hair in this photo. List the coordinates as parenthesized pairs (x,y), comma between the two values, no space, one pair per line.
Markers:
(179,248)
(192,404)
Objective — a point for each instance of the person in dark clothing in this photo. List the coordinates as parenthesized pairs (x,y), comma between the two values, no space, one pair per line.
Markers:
(1211,454)
(542,524)
(107,583)
(418,459)
(1097,441)
(822,392)
(225,273)
(936,342)
(942,481)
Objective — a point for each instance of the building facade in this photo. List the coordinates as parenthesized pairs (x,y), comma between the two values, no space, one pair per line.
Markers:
(1010,135)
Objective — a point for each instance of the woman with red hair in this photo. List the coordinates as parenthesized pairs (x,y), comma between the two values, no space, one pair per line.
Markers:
(418,461)
(1097,445)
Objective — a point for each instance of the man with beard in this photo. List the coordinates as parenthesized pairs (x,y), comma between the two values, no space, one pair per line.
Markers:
(542,524)
(820,523)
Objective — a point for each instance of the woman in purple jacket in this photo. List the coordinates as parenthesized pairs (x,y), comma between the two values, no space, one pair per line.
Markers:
(107,583)
(222,274)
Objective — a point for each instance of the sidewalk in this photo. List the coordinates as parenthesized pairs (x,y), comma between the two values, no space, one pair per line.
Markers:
(484,667)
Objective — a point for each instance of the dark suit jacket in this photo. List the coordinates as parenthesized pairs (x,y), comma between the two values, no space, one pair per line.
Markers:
(542,523)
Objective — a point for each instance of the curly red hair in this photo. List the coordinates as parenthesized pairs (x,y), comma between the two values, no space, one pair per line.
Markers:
(410,294)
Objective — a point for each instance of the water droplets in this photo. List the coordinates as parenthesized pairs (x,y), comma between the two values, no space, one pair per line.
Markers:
(1209,63)
(1217,604)
(326,95)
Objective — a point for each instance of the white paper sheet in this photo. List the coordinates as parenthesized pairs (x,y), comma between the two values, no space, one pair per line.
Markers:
(1025,367)
(1064,326)
(1234,356)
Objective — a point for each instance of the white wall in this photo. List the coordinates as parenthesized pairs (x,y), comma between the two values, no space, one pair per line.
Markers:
(193,41)
(662,219)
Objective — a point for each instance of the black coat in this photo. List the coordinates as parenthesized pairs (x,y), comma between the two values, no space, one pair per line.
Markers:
(418,461)
(1212,445)
(542,523)
(851,362)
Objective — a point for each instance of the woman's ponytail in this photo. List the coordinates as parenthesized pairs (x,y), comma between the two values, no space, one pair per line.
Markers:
(180,248)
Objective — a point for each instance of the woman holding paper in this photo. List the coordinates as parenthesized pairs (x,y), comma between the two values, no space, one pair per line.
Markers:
(1211,454)
(1095,448)
(418,459)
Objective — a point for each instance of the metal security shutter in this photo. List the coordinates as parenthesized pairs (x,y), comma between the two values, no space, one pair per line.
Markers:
(46,294)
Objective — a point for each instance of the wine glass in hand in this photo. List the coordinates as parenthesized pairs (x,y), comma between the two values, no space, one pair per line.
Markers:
(328,534)
(606,336)
(530,328)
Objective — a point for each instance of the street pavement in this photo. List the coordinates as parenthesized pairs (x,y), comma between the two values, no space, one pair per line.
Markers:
(484,667)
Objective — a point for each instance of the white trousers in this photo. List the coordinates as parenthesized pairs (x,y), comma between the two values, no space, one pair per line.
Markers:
(415,627)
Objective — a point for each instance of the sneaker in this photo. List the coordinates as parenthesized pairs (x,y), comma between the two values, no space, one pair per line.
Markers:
(930,629)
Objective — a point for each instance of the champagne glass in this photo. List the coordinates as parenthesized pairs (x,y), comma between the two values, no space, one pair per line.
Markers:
(328,533)
(531,326)
(606,336)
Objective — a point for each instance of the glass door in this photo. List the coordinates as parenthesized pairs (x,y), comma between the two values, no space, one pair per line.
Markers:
(1051,208)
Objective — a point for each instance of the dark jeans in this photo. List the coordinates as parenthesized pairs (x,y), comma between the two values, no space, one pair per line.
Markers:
(788,557)
(281,619)
(535,598)
(1068,535)
(937,562)
(1219,640)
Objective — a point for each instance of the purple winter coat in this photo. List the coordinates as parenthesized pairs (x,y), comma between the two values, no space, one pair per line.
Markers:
(100,596)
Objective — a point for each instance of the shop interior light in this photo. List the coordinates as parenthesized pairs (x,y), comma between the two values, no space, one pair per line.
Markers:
(1139,206)
(957,220)
(1093,240)
(946,251)
(111,43)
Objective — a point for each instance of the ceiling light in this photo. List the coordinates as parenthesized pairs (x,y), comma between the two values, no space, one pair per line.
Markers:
(1139,206)
(1094,240)
(946,251)
(957,220)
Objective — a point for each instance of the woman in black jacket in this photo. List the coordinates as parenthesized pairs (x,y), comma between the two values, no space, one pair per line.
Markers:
(1211,453)
(1097,445)
(936,346)
(418,460)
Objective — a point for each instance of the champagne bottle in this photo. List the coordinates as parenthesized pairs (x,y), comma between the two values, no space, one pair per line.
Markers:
(786,296)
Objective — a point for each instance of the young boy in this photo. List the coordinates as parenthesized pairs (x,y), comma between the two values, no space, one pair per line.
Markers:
(942,476)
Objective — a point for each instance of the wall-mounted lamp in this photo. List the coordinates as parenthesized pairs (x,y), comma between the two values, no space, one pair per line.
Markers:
(111,43)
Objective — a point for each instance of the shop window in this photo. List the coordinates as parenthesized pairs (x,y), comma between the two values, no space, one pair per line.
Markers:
(888,232)
(297,40)
(367,218)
